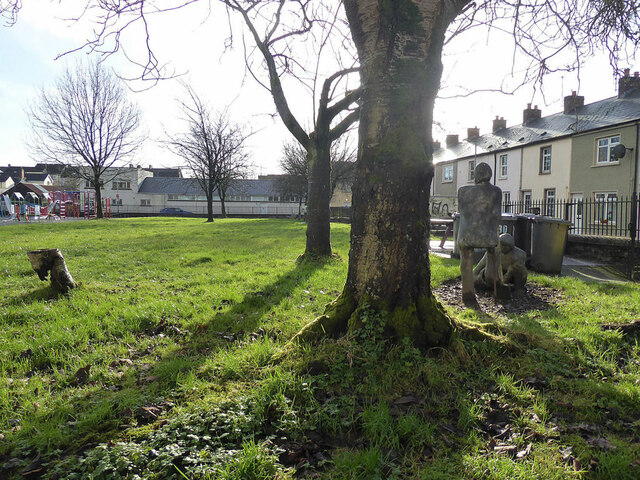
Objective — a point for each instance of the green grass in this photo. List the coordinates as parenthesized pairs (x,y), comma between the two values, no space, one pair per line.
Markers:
(160,365)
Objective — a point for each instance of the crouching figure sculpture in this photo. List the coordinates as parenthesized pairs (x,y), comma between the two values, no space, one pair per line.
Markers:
(512,271)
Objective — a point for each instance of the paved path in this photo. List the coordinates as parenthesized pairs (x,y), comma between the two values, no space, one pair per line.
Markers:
(585,270)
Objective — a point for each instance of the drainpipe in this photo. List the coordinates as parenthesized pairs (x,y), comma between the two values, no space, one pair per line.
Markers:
(495,166)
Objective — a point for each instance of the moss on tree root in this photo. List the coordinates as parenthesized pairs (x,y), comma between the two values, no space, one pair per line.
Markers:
(424,322)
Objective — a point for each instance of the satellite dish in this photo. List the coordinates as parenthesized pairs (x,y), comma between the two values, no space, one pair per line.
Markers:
(618,151)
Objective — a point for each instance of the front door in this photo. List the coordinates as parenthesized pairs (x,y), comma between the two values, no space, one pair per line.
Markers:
(577,210)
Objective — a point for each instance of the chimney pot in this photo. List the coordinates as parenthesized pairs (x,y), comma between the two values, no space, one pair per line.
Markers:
(452,140)
(628,83)
(530,114)
(498,124)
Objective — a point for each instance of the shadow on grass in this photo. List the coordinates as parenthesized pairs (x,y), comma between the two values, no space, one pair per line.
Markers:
(518,402)
(145,393)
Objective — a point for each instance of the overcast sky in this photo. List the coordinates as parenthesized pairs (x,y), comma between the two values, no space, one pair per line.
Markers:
(192,41)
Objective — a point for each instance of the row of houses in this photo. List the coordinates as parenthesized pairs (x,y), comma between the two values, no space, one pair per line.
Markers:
(586,153)
(135,190)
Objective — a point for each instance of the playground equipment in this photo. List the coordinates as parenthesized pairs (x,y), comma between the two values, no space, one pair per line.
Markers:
(6,208)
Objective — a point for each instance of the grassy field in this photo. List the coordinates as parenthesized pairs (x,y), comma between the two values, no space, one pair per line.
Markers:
(161,365)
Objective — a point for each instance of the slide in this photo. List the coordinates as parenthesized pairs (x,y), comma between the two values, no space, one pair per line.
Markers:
(8,207)
(51,209)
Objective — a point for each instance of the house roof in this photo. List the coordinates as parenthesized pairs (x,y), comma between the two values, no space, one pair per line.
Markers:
(190,186)
(594,116)
(35,177)
(28,188)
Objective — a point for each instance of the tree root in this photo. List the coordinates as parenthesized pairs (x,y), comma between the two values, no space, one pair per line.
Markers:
(425,322)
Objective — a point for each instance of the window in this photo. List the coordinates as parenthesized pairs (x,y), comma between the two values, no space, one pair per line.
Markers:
(550,202)
(447,173)
(605,145)
(472,170)
(526,201)
(121,185)
(116,202)
(145,202)
(606,203)
(545,160)
(503,166)
(506,202)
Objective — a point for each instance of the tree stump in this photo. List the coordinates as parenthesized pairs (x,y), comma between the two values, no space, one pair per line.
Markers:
(51,260)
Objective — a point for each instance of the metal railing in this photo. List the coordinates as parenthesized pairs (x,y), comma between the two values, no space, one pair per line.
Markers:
(602,217)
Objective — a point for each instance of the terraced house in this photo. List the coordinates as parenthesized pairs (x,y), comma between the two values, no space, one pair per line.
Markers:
(586,153)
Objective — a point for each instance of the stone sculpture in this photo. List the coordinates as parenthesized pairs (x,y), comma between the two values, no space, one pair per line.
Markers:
(512,272)
(479,207)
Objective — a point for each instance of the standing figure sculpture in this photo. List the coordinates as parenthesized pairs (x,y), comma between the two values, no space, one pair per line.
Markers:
(479,207)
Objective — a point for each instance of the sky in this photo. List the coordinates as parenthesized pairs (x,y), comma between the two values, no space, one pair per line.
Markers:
(192,42)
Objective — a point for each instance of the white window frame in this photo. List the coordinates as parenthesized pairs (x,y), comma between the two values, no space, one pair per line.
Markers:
(550,202)
(447,174)
(545,155)
(472,170)
(504,165)
(145,202)
(604,145)
(605,207)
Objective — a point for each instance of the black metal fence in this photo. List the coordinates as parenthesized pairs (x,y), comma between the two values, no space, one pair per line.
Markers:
(605,215)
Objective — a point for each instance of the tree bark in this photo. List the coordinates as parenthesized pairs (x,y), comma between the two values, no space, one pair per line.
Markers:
(99,212)
(209,206)
(223,208)
(319,196)
(400,45)
(51,260)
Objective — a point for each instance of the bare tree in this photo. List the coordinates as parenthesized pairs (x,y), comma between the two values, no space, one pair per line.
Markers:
(336,109)
(212,147)
(231,168)
(87,122)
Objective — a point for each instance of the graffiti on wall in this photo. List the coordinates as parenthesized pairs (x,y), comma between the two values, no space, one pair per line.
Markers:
(443,207)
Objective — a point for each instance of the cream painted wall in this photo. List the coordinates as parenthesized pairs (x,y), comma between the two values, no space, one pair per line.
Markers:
(560,175)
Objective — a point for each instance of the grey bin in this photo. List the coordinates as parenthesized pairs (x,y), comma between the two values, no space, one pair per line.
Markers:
(547,239)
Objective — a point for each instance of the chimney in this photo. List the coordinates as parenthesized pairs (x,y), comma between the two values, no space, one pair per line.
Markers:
(131,165)
(473,132)
(436,145)
(572,102)
(530,114)
(499,123)
(452,140)
(628,83)
(150,167)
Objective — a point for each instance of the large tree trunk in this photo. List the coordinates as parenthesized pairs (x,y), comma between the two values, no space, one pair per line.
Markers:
(223,208)
(399,44)
(99,212)
(319,196)
(209,206)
